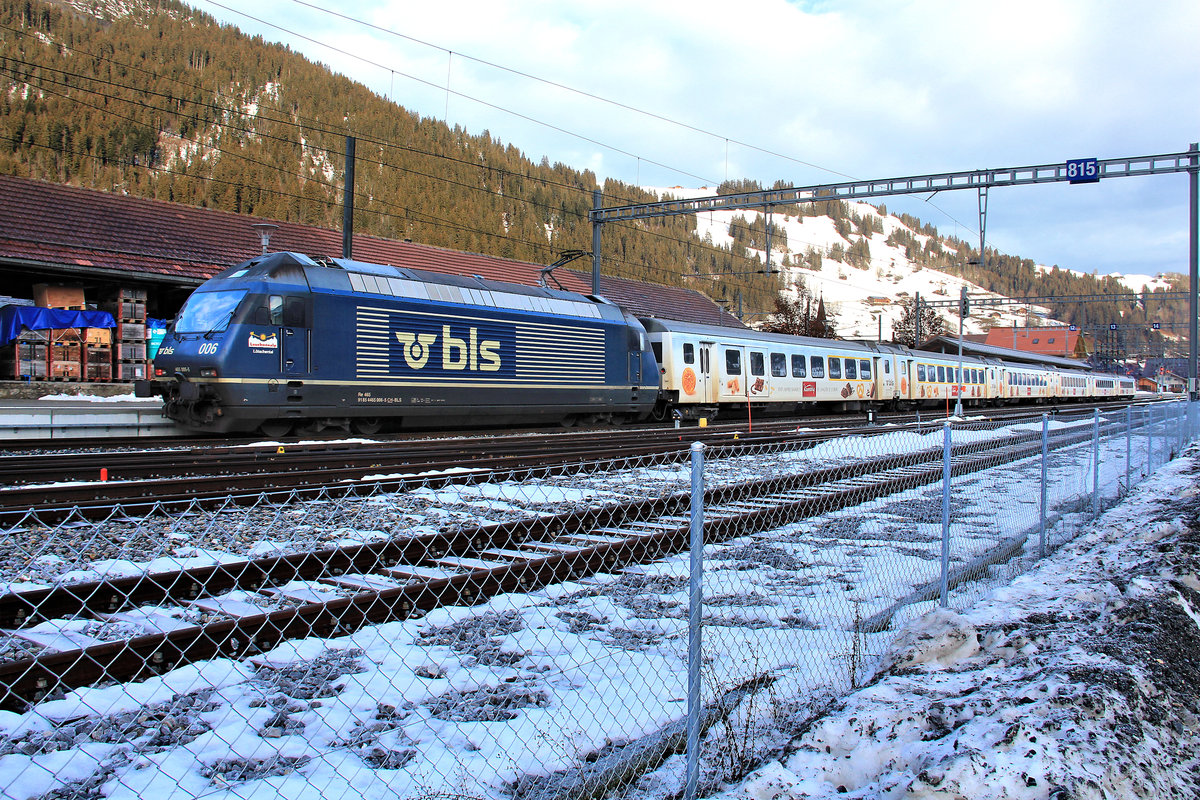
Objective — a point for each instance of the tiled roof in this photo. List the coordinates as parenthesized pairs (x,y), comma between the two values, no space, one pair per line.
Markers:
(949,344)
(52,224)
(1059,341)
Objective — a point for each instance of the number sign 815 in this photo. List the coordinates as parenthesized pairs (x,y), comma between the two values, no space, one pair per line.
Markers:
(1083,170)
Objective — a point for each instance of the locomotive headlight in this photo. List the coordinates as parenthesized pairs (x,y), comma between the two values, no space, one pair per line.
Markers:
(208,372)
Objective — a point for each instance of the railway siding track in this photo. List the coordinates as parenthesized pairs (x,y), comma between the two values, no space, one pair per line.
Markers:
(333,469)
(401,577)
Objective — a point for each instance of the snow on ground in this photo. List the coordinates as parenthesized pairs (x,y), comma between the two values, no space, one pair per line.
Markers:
(1081,679)
(94,398)
(1077,671)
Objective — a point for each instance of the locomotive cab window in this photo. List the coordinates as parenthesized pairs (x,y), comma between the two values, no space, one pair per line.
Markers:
(778,365)
(816,366)
(757,364)
(835,368)
(689,353)
(207,312)
(798,370)
(733,362)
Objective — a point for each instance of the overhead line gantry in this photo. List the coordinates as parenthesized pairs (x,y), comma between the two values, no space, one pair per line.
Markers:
(1081,170)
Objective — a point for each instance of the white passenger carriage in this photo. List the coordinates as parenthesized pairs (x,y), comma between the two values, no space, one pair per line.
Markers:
(704,368)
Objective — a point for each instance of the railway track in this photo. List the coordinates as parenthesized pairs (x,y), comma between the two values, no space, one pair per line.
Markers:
(169,619)
(93,483)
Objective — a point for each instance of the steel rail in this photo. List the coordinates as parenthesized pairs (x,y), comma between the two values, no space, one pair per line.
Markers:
(581,544)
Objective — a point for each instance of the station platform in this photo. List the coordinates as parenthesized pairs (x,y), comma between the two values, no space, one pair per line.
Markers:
(51,410)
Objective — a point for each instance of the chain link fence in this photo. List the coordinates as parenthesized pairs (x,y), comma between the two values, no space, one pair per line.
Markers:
(552,636)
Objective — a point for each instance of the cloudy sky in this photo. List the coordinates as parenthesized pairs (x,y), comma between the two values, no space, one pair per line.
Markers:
(667,93)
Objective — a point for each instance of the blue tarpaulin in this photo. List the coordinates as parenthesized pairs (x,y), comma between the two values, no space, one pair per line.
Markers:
(13,319)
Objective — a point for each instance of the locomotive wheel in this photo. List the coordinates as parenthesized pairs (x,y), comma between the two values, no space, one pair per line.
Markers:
(366,425)
(276,428)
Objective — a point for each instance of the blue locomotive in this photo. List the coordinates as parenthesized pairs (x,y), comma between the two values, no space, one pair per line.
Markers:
(282,341)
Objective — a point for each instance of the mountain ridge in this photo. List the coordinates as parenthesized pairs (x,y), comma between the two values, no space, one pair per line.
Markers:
(154,98)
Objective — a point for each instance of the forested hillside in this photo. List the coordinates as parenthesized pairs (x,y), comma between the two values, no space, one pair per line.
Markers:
(152,98)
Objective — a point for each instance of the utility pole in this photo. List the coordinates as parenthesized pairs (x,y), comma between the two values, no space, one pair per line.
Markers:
(348,202)
(917,317)
(1194,271)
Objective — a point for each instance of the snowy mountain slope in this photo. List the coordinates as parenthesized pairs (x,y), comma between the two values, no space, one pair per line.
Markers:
(868,301)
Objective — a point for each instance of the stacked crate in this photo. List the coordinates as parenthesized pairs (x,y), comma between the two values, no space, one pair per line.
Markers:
(96,362)
(129,347)
(66,353)
(66,348)
(27,358)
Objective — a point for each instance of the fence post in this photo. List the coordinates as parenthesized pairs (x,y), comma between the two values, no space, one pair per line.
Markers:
(1045,459)
(1192,404)
(1178,428)
(1095,463)
(695,604)
(944,594)
(1128,446)
(1149,440)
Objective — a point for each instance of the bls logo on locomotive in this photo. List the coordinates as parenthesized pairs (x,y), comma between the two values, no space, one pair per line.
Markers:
(457,353)
(416,347)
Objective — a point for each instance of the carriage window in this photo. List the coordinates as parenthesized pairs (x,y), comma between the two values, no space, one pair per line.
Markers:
(887,368)
(689,353)
(851,372)
(778,365)
(920,372)
(816,366)
(757,364)
(835,368)
(798,367)
(864,369)
(733,362)
(941,374)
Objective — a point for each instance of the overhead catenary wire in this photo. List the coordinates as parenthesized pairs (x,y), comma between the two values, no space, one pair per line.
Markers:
(313,127)
(43,83)
(590,95)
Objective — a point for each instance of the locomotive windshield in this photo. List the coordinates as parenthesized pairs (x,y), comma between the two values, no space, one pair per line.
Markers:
(208,312)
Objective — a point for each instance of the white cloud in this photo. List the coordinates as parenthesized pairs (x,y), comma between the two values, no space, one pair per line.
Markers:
(867,88)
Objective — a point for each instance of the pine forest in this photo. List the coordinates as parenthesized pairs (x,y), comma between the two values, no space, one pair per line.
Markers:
(161,101)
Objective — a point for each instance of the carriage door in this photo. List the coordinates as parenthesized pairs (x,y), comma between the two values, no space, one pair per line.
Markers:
(885,381)
(294,335)
(706,380)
